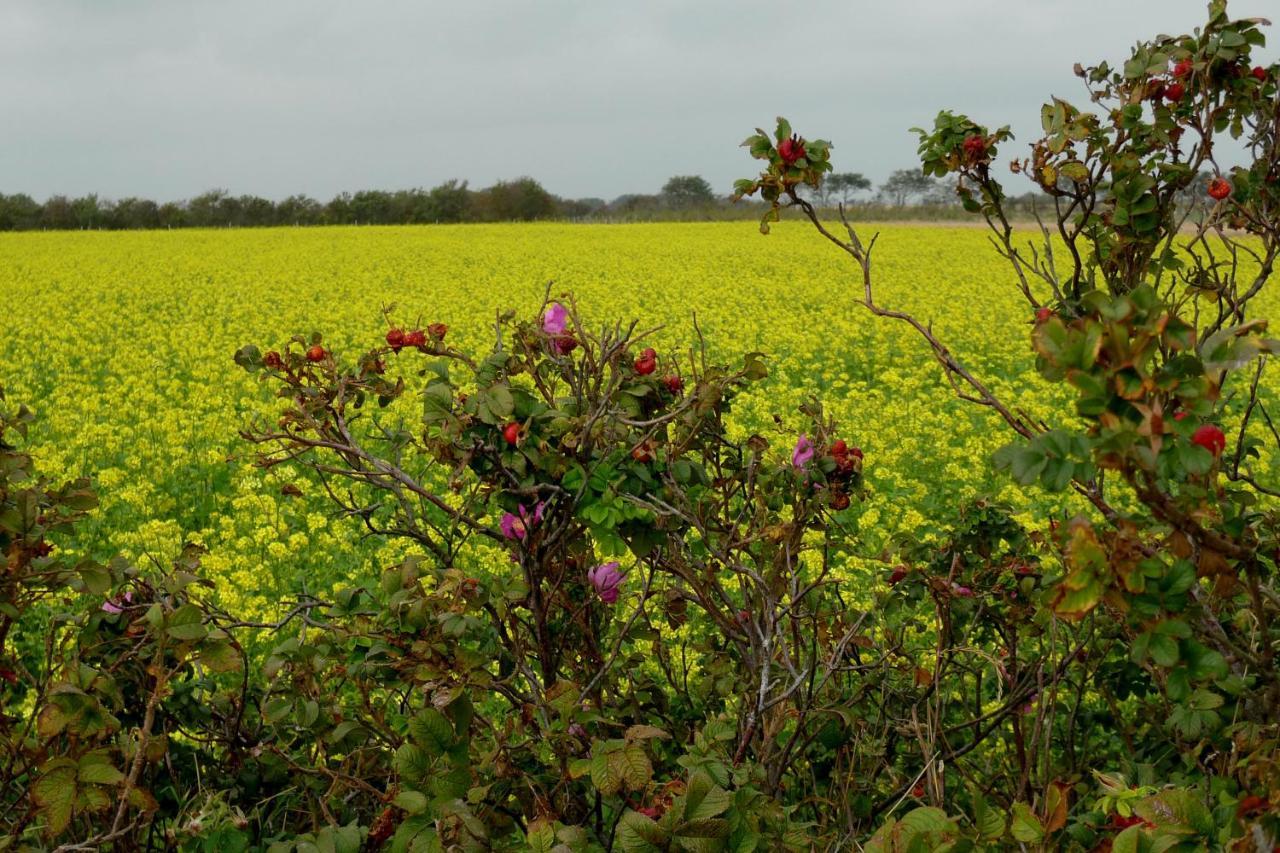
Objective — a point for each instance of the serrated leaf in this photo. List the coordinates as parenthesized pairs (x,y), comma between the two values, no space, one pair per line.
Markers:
(185,623)
(1026,827)
(431,730)
(220,656)
(704,799)
(411,801)
(638,833)
(96,768)
(54,794)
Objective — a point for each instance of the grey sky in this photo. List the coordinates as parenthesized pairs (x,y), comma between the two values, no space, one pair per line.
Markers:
(166,99)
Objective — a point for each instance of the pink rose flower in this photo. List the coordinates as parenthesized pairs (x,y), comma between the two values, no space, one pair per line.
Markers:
(111,606)
(803,453)
(606,579)
(554,319)
(518,526)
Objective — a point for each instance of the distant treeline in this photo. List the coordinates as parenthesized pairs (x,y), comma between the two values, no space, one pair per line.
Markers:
(906,194)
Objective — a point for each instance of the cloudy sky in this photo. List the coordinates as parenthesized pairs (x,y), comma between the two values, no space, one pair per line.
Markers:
(168,98)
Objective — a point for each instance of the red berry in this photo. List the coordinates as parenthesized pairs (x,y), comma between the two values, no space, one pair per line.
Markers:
(273,360)
(416,338)
(1174,92)
(642,453)
(316,353)
(898,574)
(437,331)
(744,616)
(839,448)
(1210,437)
(1219,188)
(1043,315)
(1182,68)
(395,339)
(857,452)
(917,791)
(1259,73)
(839,500)
(511,433)
(975,147)
(1180,416)
(674,383)
(791,150)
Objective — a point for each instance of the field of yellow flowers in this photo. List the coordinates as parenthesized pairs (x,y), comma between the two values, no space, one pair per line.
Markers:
(123,343)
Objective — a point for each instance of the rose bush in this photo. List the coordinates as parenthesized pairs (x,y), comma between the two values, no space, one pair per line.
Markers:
(623,624)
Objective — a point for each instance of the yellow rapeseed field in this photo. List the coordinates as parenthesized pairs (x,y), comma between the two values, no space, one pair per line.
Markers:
(123,343)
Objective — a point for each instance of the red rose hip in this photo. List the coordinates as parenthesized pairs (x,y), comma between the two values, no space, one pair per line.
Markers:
(511,433)
(1219,188)
(1210,437)
(316,353)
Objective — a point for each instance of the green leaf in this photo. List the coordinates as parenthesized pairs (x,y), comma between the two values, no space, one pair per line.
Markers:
(185,623)
(96,578)
(704,798)
(413,763)
(638,833)
(96,768)
(431,730)
(54,794)
(220,656)
(1026,827)
(411,801)
(606,775)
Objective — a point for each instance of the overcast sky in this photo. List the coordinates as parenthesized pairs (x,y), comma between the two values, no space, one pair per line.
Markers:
(168,98)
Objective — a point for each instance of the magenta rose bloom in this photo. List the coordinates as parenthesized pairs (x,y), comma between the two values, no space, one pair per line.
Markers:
(517,526)
(803,453)
(554,319)
(606,579)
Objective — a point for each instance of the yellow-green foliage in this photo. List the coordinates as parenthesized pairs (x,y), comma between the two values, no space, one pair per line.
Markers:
(122,342)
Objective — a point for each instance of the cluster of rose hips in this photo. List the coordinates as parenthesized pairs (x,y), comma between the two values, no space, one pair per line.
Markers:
(1174,89)
(314,354)
(848,465)
(398,338)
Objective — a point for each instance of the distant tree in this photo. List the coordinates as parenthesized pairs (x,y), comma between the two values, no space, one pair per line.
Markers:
(204,210)
(1196,190)
(173,215)
(686,191)
(134,213)
(88,212)
(846,184)
(338,211)
(298,210)
(255,211)
(635,203)
(58,213)
(523,199)
(582,208)
(906,184)
(448,202)
(19,212)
